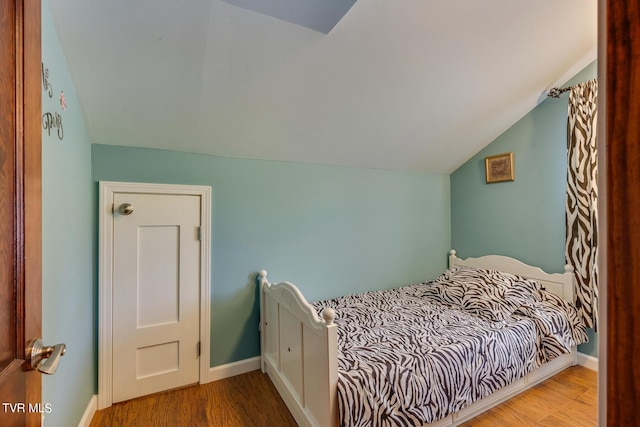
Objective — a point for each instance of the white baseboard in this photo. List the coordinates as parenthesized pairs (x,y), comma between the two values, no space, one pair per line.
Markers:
(92,407)
(587,361)
(234,368)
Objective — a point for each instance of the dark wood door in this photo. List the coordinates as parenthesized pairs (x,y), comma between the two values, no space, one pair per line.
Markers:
(20,209)
(623,211)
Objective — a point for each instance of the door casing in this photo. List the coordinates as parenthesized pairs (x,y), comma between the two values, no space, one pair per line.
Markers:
(21,210)
(105,286)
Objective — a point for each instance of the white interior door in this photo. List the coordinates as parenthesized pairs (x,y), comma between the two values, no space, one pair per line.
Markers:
(156,293)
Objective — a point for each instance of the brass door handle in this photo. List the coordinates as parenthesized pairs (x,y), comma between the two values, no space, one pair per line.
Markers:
(126,209)
(44,358)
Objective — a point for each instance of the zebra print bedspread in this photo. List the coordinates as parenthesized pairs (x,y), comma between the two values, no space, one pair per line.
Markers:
(412,355)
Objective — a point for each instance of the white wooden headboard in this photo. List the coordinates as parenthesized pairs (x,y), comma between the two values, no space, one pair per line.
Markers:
(560,284)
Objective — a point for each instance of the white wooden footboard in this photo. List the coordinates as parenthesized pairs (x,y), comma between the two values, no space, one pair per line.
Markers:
(299,353)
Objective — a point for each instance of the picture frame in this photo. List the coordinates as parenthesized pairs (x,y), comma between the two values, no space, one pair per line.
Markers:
(499,168)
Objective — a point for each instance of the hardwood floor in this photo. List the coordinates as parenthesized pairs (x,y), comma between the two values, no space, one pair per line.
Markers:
(567,399)
(244,400)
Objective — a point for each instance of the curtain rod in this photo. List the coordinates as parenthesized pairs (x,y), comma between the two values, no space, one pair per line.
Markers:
(555,92)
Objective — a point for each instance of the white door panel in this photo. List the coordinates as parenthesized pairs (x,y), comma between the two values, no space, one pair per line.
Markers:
(156,293)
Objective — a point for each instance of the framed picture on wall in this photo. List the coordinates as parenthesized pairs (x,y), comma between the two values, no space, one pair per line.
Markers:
(499,168)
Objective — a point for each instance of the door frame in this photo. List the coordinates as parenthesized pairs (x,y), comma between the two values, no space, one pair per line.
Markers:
(21,133)
(105,275)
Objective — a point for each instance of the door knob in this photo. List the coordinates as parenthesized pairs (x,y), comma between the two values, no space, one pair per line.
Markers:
(126,209)
(44,358)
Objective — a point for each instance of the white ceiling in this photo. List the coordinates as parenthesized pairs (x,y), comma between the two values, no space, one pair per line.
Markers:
(413,85)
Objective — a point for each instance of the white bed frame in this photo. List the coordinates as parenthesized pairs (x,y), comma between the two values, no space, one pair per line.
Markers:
(300,355)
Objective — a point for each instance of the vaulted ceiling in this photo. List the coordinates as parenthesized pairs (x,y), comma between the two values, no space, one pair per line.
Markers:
(412,85)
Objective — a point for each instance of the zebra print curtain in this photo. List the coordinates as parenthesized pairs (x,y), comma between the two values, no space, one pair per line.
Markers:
(582,198)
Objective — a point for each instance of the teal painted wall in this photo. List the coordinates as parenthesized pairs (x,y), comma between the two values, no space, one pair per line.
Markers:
(68,255)
(330,230)
(524,218)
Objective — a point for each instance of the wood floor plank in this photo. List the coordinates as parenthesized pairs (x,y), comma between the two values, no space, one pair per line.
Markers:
(244,400)
(503,415)
(568,399)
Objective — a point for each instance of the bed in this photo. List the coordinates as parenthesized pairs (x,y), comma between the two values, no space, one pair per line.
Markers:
(323,385)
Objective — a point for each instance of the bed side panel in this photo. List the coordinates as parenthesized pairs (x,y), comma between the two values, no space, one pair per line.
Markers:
(291,351)
(271,330)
